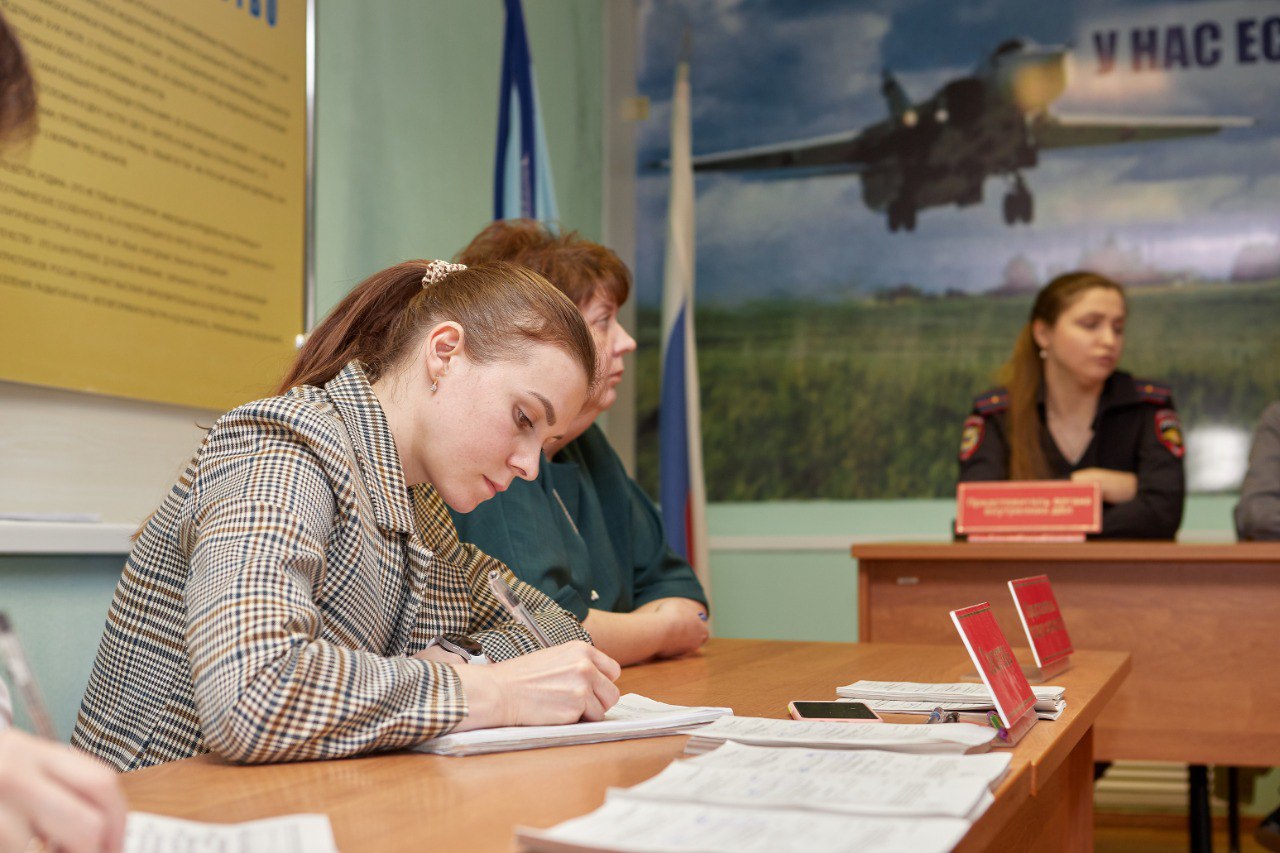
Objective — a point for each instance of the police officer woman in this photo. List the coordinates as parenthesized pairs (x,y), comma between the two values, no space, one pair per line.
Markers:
(1066,412)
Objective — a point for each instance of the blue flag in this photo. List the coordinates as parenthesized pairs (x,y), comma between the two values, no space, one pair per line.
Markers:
(522,185)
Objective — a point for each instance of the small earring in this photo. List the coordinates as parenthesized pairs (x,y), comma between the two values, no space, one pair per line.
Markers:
(435,383)
(1044,353)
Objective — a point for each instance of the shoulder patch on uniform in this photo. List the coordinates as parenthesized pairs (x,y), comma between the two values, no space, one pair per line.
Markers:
(1169,431)
(992,402)
(971,436)
(1155,393)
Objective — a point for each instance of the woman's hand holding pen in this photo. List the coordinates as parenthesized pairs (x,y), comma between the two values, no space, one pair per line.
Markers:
(562,684)
(53,793)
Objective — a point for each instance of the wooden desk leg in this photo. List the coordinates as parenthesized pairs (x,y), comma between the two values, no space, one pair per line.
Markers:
(1233,809)
(1080,796)
(1059,816)
(1199,822)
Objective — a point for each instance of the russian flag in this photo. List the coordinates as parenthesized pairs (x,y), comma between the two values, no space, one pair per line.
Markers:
(522,185)
(682,487)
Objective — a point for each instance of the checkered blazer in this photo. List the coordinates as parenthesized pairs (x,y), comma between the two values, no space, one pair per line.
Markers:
(267,611)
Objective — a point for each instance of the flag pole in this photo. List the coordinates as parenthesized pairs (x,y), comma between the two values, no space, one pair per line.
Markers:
(683,487)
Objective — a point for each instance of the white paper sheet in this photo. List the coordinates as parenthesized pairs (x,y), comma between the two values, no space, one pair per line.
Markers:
(298,833)
(955,738)
(917,697)
(991,767)
(634,716)
(897,790)
(895,706)
(631,825)
(924,691)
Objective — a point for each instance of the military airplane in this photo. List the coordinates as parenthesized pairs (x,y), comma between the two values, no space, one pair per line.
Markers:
(941,151)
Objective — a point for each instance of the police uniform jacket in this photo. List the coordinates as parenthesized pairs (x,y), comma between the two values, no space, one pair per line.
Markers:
(268,609)
(583,532)
(1136,429)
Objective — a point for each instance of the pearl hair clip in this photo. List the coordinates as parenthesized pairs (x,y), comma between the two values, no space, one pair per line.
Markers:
(437,270)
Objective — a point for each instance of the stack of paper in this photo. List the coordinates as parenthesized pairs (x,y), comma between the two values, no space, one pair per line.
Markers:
(634,716)
(798,785)
(782,799)
(860,782)
(912,697)
(761,731)
(632,825)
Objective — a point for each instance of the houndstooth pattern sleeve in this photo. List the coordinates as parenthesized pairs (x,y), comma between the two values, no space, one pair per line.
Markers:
(267,608)
(273,677)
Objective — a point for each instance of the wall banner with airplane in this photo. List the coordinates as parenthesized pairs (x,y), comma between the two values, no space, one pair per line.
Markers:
(881,186)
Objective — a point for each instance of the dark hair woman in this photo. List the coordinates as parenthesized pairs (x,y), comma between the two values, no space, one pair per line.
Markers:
(300,591)
(584,532)
(1066,412)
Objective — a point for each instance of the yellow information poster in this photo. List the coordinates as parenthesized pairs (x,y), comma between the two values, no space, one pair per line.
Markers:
(152,233)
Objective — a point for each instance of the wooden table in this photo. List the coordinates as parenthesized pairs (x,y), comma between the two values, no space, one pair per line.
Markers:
(410,801)
(1201,621)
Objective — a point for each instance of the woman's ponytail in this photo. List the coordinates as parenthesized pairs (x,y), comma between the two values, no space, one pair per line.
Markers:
(502,307)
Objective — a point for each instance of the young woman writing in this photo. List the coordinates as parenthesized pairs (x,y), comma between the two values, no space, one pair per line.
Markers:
(282,602)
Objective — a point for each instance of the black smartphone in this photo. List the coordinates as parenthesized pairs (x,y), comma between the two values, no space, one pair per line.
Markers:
(833,712)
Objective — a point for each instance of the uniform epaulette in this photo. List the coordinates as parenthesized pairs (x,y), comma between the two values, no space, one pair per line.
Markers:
(991,402)
(1155,393)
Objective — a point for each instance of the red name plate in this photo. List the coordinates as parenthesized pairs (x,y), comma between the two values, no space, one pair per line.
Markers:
(1029,506)
(1041,619)
(994,659)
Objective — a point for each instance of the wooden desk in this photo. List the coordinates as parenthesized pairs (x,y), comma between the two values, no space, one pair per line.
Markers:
(409,801)
(1199,620)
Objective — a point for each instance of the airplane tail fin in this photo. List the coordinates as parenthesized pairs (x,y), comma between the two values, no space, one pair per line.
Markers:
(894,95)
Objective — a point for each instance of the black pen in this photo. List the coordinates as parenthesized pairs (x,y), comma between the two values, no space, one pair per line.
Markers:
(516,607)
(24,679)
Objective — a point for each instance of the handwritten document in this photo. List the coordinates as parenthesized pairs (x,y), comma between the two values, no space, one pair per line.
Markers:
(865,782)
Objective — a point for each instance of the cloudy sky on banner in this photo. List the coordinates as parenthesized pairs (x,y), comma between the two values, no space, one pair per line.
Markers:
(767,72)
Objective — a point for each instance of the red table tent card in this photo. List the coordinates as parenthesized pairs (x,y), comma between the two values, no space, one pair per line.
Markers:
(1042,620)
(998,668)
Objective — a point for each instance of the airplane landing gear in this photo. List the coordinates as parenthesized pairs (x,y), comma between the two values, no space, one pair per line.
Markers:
(1019,206)
(901,214)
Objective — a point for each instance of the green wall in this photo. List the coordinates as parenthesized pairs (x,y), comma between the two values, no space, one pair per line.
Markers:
(811,593)
(407,124)
(58,604)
